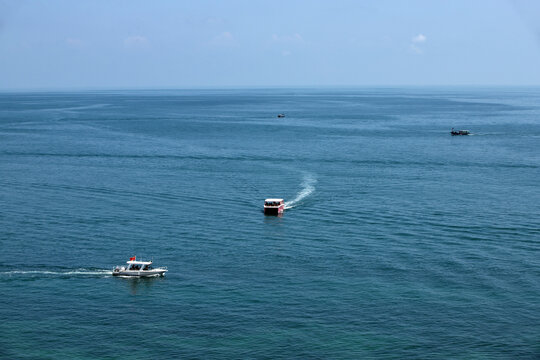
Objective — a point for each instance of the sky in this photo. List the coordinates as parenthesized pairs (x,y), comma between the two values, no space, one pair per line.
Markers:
(122,44)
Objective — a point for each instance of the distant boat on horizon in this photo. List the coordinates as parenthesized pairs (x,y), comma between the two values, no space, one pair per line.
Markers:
(459,132)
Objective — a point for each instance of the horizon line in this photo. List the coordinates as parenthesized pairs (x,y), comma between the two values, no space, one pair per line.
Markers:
(257,87)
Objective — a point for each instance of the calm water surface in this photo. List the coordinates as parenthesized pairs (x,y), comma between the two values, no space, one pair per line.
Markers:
(401,241)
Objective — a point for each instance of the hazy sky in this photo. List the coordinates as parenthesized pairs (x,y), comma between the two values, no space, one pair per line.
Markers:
(196,43)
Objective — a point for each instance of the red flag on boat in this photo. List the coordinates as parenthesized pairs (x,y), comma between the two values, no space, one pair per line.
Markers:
(132,258)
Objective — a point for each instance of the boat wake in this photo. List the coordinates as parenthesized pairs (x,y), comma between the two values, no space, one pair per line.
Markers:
(308,187)
(38,273)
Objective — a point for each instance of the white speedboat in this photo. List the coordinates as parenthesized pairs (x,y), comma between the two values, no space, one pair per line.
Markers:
(138,268)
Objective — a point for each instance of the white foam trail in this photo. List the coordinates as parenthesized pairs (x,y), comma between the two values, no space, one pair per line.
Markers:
(308,187)
(59,273)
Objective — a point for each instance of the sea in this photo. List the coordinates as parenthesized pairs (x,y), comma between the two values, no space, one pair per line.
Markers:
(399,240)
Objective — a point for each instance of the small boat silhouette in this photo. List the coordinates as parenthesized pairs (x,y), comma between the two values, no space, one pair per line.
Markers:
(459,132)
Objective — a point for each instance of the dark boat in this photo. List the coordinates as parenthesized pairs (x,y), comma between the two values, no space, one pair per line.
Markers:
(459,132)
(281,115)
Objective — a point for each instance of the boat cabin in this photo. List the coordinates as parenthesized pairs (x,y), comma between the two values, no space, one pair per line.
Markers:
(136,265)
(273,202)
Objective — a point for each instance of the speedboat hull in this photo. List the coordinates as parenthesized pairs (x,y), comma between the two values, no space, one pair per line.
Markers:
(139,273)
(274,210)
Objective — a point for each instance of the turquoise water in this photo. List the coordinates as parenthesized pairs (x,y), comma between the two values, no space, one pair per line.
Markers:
(401,241)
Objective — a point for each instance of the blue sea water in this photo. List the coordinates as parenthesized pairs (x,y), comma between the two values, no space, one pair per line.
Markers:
(401,241)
